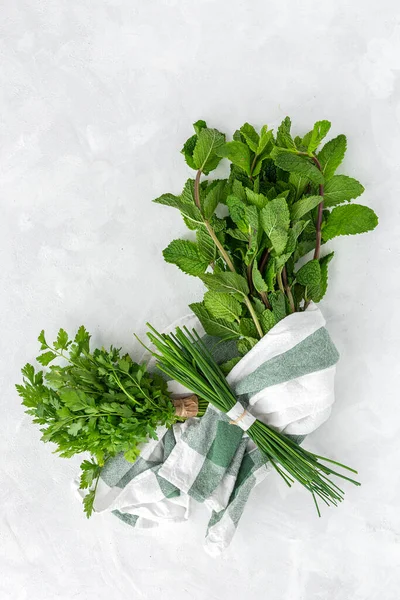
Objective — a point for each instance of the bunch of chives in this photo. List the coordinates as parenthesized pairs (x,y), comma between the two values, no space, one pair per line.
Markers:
(183,357)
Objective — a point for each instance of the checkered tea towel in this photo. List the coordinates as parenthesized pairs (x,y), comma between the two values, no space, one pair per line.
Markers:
(286,380)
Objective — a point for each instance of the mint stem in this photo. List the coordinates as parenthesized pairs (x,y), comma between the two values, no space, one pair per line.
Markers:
(288,290)
(223,252)
(250,277)
(264,259)
(253,164)
(280,284)
(320,205)
(264,298)
(208,226)
(320,213)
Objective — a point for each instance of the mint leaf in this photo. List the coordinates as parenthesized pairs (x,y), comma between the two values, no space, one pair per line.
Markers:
(263,151)
(341,188)
(265,138)
(258,200)
(248,328)
(168,200)
(288,161)
(323,262)
(46,358)
(237,211)
(251,136)
(267,320)
(305,141)
(185,255)
(199,125)
(258,280)
(226,282)
(298,183)
(319,131)
(238,190)
(245,345)
(294,233)
(310,276)
(349,220)
(278,303)
(214,194)
(206,246)
(227,366)
(258,306)
(283,136)
(190,144)
(238,153)
(303,206)
(222,306)
(238,235)
(332,155)
(188,149)
(221,328)
(205,154)
(291,245)
(185,203)
(275,219)
(187,196)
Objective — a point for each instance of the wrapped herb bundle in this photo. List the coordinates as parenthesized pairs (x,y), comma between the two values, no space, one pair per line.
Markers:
(282,200)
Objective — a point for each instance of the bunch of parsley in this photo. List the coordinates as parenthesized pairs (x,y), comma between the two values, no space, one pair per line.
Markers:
(98,402)
(282,200)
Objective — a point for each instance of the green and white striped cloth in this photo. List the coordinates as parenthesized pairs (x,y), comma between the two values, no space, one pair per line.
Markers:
(286,380)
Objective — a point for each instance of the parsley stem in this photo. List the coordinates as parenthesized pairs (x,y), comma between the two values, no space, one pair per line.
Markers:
(95,487)
(122,387)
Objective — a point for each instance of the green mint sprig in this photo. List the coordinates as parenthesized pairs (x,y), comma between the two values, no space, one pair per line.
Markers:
(281,200)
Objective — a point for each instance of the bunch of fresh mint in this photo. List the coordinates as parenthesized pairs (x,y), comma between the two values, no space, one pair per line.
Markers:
(281,201)
(98,402)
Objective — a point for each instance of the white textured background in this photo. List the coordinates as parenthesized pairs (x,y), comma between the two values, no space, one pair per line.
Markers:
(96,98)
